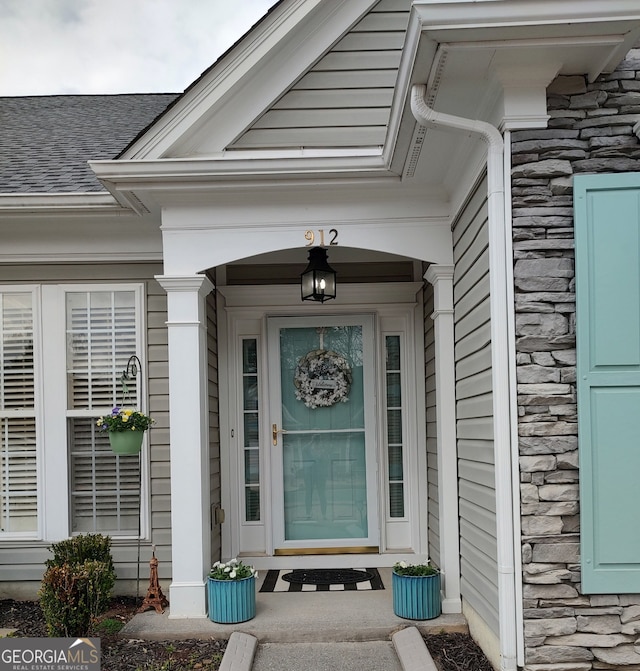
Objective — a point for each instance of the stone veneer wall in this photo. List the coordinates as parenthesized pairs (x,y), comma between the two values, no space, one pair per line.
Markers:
(590,131)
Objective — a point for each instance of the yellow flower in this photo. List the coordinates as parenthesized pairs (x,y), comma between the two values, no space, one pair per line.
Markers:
(125,418)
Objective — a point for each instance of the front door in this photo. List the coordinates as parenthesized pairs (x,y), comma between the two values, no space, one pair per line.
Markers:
(322,412)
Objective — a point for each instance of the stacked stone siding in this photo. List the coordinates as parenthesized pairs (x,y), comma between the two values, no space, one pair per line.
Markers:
(591,130)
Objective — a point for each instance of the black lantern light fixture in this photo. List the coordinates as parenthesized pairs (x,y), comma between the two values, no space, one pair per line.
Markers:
(318,281)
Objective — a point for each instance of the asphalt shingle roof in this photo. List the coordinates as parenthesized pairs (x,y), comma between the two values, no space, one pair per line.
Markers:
(46,141)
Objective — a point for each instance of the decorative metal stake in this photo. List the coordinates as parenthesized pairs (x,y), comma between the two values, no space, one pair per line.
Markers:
(130,373)
(155,598)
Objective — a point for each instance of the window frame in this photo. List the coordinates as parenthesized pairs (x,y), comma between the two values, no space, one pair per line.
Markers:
(34,290)
(72,413)
(56,510)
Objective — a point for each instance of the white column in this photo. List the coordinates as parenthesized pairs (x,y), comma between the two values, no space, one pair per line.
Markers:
(441,277)
(189,443)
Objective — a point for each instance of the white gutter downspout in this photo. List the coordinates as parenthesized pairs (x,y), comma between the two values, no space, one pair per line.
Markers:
(500,349)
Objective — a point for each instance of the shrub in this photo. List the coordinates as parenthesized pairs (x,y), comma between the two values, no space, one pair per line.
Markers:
(77,584)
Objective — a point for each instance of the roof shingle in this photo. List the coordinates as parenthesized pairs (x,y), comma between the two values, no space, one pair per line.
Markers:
(46,141)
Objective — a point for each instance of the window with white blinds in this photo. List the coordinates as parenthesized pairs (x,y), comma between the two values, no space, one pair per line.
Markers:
(102,333)
(18,447)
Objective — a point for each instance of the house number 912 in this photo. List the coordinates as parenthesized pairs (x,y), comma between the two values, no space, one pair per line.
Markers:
(311,237)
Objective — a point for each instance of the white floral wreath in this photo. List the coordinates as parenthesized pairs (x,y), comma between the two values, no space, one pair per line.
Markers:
(322,379)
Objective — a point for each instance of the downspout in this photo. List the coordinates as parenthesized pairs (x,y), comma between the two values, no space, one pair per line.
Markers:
(501,369)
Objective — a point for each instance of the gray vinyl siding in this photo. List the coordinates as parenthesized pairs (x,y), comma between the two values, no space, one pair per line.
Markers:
(24,560)
(214,423)
(158,388)
(432,447)
(345,99)
(476,471)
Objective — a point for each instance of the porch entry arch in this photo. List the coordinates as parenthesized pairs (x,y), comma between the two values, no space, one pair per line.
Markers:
(193,250)
(187,292)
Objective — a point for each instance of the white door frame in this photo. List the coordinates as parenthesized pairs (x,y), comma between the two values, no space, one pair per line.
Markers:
(243,311)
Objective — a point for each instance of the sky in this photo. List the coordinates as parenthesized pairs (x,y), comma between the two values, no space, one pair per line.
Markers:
(50,47)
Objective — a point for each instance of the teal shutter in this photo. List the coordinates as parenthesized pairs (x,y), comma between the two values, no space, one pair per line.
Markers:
(607,233)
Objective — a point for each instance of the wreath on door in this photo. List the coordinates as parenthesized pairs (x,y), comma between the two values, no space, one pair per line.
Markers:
(322,379)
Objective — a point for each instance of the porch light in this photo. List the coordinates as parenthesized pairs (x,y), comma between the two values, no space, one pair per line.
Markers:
(318,281)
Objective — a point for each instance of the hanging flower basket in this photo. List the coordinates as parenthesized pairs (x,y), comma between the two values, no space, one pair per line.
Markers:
(126,442)
(126,429)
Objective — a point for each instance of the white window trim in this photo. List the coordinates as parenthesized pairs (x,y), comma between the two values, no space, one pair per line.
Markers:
(37,339)
(56,513)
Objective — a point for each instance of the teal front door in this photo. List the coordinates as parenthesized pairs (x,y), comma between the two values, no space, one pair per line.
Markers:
(322,409)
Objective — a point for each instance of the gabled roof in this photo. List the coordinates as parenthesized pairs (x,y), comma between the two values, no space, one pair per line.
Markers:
(344,100)
(47,141)
(282,50)
(320,89)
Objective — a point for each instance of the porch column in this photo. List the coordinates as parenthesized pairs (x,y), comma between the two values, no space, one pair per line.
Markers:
(189,442)
(441,277)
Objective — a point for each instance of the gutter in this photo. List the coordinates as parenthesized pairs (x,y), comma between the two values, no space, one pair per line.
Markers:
(501,374)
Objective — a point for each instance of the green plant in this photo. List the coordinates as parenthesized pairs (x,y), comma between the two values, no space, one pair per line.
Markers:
(402,568)
(77,584)
(232,570)
(78,549)
(124,420)
(109,626)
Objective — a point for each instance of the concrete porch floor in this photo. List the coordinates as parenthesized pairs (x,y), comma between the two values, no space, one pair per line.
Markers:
(301,617)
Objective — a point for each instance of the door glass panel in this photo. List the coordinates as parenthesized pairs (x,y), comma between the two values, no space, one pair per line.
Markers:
(394,426)
(324,456)
(251,437)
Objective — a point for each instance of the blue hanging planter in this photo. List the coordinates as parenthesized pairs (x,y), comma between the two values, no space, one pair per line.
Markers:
(232,601)
(416,597)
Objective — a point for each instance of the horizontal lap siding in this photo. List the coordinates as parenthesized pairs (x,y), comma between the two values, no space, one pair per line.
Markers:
(24,560)
(158,380)
(432,453)
(345,99)
(214,422)
(476,471)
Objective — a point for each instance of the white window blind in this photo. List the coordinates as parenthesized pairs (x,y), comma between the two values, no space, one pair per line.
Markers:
(104,487)
(102,334)
(251,443)
(395,441)
(18,447)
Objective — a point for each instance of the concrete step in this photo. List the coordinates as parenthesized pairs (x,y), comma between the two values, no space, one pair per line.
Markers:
(405,652)
(369,656)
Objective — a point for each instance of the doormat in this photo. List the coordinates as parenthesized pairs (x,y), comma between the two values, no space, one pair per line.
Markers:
(322,580)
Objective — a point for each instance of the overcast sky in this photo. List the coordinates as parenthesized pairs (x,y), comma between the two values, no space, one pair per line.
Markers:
(116,46)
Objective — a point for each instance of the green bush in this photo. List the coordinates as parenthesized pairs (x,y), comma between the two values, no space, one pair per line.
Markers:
(77,584)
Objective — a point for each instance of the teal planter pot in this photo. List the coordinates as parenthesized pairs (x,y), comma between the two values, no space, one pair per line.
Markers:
(232,601)
(416,597)
(126,442)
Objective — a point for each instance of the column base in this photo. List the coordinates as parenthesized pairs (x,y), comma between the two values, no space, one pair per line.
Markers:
(452,605)
(187,600)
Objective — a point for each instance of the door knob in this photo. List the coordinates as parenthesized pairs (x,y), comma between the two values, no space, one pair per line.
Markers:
(274,433)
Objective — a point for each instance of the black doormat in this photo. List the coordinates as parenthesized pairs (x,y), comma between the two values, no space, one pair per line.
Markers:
(322,580)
